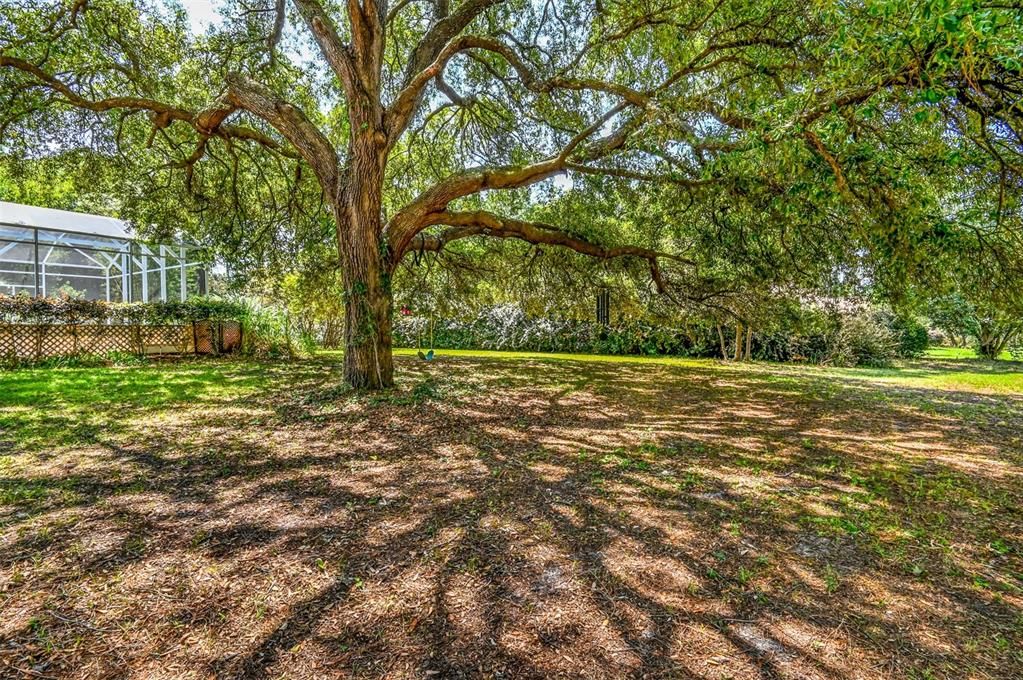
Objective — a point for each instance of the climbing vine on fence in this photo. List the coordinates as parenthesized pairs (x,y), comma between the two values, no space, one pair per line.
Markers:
(70,310)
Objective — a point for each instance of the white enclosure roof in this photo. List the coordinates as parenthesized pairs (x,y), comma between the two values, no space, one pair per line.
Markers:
(62,220)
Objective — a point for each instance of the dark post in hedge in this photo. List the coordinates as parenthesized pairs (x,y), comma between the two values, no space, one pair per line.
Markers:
(604,307)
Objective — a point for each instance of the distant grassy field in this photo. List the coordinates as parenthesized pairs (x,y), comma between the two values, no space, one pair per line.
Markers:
(513,515)
(959,353)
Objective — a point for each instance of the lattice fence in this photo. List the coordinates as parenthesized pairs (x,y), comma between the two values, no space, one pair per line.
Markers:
(230,336)
(25,342)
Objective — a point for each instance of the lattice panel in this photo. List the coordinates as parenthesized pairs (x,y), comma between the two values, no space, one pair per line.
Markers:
(205,338)
(23,342)
(230,336)
(104,339)
(58,340)
(166,339)
(9,343)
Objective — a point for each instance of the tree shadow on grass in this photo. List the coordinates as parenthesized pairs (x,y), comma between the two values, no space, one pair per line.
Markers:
(528,520)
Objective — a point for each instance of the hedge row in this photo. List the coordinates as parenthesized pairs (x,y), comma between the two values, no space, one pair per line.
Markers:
(866,338)
(71,310)
(552,335)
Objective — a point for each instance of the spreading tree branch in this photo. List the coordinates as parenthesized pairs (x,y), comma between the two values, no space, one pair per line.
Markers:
(432,52)
(289,120)
(274,38)
(482,223)
(335,51)
(242,93)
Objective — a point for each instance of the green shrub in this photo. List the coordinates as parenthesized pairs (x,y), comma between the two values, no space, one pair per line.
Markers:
(911,336)
(66,309)
(1016,349)
(914,340)
(863,340)
(269,331)
(506,327)
(61,309)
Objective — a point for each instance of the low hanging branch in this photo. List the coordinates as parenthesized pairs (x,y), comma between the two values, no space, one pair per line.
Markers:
(481,223)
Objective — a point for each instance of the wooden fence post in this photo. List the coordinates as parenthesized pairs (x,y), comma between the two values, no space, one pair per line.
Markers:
(136,339)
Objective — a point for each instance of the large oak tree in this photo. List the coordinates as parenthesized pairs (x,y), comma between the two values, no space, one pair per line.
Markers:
(419,111)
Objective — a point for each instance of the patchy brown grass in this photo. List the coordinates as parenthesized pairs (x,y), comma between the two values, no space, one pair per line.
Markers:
(507,519)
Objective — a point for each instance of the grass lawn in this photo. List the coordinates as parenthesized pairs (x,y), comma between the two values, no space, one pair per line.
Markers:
(957,353)
(512,516)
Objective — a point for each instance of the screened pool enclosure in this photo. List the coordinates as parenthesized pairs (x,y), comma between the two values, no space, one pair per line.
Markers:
(48,252)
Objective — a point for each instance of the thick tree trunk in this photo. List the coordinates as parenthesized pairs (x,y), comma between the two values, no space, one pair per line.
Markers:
(993,338)
(366,270)
(368,363)
(988,342)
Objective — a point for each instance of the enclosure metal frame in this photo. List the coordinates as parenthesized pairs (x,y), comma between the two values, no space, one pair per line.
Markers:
(123,257)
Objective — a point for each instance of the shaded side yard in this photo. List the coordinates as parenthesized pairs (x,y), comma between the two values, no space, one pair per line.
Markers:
(512,518)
